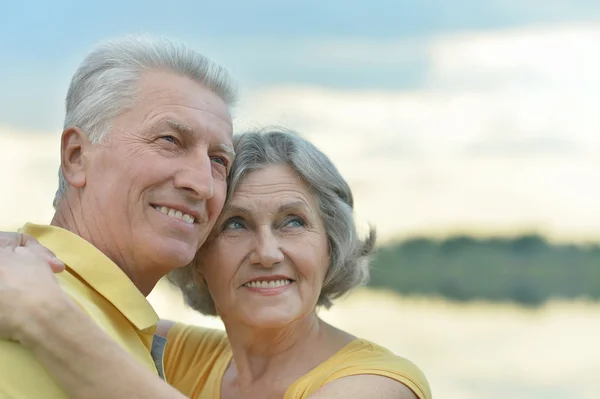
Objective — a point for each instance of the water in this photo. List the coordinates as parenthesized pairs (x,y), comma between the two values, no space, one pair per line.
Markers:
(467,351)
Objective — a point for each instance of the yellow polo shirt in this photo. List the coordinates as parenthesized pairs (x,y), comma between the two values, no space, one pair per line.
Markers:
(103,290)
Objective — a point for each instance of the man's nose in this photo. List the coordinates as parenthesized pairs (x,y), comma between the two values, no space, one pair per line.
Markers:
(196,177)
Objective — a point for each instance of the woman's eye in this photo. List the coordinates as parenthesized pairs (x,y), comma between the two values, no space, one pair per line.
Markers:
(234,224)
(295,222)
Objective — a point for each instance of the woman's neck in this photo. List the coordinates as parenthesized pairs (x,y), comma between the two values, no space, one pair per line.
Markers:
(267,360)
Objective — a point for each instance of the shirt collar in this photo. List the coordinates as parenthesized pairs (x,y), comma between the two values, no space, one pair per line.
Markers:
(98,271)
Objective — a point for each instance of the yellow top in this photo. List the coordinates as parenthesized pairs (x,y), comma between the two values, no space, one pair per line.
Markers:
(101,288)
(196,359)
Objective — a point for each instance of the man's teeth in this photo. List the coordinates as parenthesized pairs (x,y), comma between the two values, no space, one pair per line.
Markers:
(176,214)
(267,284)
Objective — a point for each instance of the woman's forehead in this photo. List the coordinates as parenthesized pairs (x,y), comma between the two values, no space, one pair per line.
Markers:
(272,179)
(276,202)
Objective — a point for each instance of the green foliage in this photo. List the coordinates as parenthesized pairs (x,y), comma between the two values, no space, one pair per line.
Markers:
(526,269)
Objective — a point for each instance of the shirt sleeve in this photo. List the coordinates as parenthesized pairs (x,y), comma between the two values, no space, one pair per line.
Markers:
(190,355)
(379,361)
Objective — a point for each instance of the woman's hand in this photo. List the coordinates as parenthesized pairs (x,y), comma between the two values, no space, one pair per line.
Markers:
(14,240)
(27,285)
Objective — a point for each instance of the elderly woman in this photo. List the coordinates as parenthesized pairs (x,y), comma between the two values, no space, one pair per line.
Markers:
(285,244)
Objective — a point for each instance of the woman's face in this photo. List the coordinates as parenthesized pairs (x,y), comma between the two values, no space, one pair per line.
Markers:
(266,261)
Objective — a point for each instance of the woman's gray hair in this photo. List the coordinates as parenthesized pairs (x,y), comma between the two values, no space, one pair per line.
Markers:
(348,253)
(106,82)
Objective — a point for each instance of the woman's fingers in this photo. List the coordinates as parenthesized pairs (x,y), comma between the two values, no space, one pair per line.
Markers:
(14,240)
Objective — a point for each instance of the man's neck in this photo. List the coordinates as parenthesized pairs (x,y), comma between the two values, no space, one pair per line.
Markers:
(70,216)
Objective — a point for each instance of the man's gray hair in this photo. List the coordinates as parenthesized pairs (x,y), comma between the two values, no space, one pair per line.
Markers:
(106,82)
(348,253)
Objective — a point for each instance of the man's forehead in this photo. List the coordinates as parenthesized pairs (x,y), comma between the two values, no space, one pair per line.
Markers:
(159,88)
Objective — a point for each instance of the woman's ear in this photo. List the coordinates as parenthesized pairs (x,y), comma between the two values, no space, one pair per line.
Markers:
(74,144)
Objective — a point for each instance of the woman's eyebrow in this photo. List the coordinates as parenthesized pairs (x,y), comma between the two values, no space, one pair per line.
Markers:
(236,209)
(296,205)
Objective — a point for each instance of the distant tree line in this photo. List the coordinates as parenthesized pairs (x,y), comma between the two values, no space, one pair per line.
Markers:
(526,269)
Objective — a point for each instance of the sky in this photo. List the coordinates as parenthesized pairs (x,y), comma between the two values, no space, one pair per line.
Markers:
(445,116)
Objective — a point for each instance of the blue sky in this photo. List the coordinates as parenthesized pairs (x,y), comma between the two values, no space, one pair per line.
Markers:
(377,44)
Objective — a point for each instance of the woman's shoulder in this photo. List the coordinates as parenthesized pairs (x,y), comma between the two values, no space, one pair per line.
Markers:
(369,354)
(192,353)
(193,338)
(362,357)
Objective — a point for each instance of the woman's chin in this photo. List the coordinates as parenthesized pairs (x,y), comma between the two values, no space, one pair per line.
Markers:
(269,322)
(270,318)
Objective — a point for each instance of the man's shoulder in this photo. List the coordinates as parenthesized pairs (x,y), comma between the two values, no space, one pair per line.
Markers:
(80,291)
(94,303)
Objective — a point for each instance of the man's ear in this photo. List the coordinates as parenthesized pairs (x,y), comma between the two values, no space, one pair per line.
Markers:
(73,146)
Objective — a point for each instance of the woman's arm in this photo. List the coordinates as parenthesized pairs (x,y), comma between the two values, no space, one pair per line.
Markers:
(81,357)
(364,386)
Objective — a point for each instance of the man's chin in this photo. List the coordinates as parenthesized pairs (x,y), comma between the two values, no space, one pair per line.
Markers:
(173,257)
(180,259)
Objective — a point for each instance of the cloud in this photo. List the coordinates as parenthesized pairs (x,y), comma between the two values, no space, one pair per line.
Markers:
(29,162)
(502,135)
(525,147)
(516,148)
(518,84)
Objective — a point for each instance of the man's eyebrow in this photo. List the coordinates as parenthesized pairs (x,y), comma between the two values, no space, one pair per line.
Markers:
(226,148)
(184,129)
(180,127)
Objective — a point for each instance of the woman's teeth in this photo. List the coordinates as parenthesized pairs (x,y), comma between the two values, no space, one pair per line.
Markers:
(267,284)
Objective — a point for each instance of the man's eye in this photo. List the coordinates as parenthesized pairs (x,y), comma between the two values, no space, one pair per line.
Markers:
(170,139)
(221,160)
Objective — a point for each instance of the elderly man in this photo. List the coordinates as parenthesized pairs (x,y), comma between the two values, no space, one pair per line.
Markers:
(145,153)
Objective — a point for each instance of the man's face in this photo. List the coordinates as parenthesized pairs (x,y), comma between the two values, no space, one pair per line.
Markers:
(156,185)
